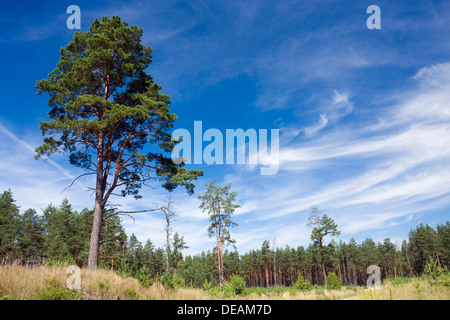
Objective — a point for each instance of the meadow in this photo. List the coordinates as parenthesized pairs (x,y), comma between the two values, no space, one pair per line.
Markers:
(49,283)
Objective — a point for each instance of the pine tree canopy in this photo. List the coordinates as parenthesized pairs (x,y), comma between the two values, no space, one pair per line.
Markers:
(109,114)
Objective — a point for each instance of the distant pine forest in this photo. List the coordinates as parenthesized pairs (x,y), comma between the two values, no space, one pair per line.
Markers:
(61,234)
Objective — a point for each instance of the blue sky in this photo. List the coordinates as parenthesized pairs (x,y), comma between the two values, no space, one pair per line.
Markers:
(364,115)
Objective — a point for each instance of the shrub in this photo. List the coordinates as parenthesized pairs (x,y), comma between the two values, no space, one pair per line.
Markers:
(256,290)
(124,270)
(399,281)
(227,289)
(178,282)
(278,290)
(143,277)
(54,290)
(353,288)
(207,285)
(167,281)
(130,294)
(446,281)
(103,287)
(333,282)
(433,269)
(319,290)
(237,284)
(302,284)
(224,291)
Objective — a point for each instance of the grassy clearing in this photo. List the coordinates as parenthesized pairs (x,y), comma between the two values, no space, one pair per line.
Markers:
(48,282)
(38,283)
(423,288)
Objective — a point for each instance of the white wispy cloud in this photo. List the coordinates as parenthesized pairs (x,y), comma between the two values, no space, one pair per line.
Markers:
(35,183)
(332,112)
(391,171)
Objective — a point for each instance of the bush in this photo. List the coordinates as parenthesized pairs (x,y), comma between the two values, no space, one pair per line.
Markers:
(238,284)
(178,282)
(103,288)
(207,285)
(333,282)
(319,290)
(224,291)
(302,284)
(279,290)
(433,269)
(143,277)
(130,294)
(256,290)
(227,289)
(54,290)
(169,281)
(446,280)
(124,270)
(399,281)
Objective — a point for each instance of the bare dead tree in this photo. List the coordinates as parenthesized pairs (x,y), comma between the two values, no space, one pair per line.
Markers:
(169,216)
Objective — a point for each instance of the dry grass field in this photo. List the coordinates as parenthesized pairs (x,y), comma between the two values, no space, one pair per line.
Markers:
(46,282)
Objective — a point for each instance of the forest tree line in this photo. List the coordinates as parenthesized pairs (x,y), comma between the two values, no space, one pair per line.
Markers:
(62,234)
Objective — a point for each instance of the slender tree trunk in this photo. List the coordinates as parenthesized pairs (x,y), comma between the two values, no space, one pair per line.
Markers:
(267,275)
(98,208)
(435,249)
(220,261)
(324,275)
(345,272)
(168,213)
(274,270)
(323,265)
(260,278)
(95,236)
(339,270)
(349,274)
(409,263)
(317,275)
(221,264)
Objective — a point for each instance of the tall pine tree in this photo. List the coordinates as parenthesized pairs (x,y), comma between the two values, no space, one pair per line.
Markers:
(105,111)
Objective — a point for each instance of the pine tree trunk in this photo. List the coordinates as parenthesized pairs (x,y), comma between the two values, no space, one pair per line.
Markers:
(274,271)
(98,208)
(349,274)
(339,270)
(167,252)
(324,275)
(168,235)
(95,236)
(409,263)
(317,275)
(267,276)
(345,272)
(220,262)
(435,249)
(323,264)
